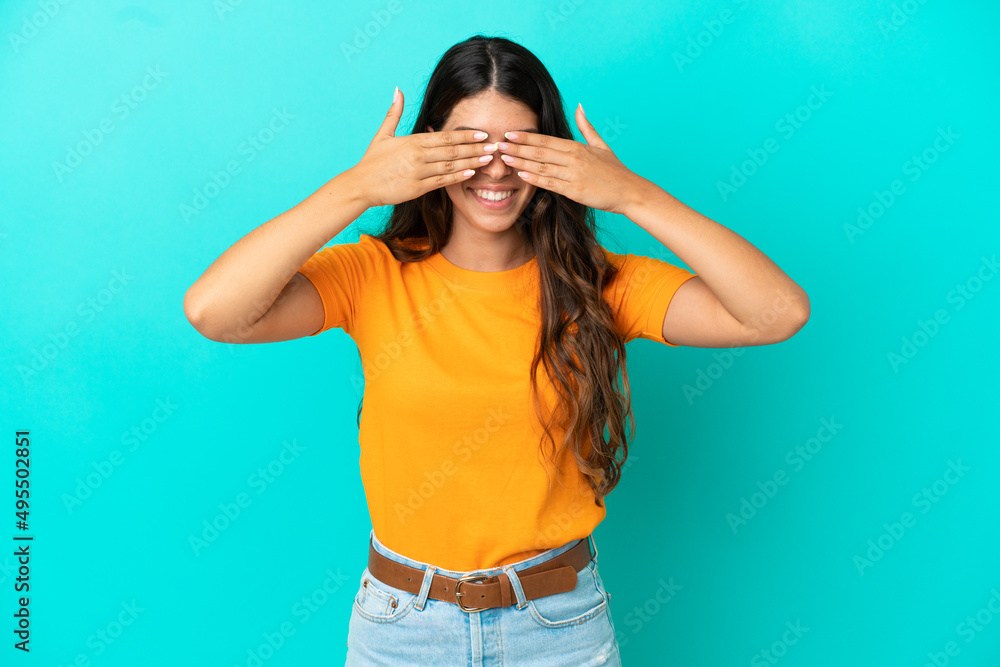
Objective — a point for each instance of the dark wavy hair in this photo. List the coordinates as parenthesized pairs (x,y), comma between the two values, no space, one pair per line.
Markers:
(578,344)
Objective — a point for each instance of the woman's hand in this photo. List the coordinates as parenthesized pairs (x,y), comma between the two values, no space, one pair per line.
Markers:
(397,169)
(588,173)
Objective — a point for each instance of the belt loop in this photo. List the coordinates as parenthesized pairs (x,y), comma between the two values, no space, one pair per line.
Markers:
(591,538)
(425,588)
(522,601)
(504,580)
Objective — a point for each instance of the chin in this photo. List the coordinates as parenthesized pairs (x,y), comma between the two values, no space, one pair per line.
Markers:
(492,224)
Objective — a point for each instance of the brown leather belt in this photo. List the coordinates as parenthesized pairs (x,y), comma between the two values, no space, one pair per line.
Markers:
(556,575)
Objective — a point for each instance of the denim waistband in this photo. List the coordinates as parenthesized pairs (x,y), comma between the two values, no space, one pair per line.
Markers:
(516,566)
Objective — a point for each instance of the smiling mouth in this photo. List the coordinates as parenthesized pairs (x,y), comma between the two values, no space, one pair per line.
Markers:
(493,196)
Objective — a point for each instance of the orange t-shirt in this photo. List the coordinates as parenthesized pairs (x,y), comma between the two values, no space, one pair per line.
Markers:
(450,458)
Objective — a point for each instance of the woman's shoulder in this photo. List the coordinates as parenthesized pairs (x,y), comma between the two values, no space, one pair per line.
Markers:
(611,257)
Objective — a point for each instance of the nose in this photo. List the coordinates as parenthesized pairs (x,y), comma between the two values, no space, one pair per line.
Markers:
(496,168)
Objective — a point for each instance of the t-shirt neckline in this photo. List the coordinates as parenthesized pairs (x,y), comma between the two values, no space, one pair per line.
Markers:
(483,280)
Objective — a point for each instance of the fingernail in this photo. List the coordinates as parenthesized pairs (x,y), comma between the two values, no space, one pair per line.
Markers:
(395,95)
(510,135)
(479,136)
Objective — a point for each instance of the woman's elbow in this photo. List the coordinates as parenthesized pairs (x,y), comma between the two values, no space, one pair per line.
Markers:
(195,312)
(798,315)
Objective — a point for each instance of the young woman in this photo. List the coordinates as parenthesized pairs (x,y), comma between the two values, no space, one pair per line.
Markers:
(492,329)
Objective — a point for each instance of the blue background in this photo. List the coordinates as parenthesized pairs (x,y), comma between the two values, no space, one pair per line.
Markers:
(681,92)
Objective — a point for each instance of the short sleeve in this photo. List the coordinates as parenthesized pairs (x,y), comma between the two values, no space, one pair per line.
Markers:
(640,294)
(341,273)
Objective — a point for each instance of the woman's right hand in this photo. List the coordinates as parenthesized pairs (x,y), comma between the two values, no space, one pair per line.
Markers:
(397,169)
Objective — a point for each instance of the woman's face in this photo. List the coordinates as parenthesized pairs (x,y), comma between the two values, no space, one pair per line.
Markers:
(494,114)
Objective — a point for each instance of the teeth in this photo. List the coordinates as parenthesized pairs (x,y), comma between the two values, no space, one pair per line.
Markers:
(493,196)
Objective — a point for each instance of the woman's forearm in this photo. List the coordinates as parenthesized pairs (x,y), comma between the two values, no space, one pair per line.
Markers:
(243,282)
(744,279)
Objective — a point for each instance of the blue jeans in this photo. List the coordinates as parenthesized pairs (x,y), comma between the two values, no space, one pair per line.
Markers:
(571,628)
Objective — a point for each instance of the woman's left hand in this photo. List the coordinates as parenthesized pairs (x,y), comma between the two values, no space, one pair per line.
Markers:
(588,173)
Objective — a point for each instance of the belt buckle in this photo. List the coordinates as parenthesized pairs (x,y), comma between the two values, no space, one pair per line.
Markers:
(475,578)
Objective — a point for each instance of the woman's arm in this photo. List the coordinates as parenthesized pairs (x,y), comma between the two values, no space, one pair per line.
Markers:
(739,297)
(251,293)
(254,277)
